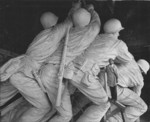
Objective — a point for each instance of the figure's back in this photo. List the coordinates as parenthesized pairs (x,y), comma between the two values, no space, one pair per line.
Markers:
(102,49)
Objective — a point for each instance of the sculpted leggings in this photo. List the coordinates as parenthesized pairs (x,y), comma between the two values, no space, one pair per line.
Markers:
(91,88)
(49,78)
(135,106)
(31,91)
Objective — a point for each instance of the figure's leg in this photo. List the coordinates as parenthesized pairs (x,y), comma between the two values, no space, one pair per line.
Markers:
(8,91)
(135,105)
(65,110)
(50,80)
(9,97)
(95,92)
(113,93)
(15,114)
(31,91)
(94,113)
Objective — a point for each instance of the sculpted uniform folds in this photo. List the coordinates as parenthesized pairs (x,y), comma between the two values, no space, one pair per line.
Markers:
(79,39)
(35,74)
(20,71)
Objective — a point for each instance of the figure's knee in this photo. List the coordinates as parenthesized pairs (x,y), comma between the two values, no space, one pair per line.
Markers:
(105,105)
(103,100)
(138,109)
(61,118)
(66,115)
(45,106)
(143,107)
(33,114)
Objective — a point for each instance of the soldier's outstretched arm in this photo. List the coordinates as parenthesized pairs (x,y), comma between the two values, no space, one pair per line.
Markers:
(95,19)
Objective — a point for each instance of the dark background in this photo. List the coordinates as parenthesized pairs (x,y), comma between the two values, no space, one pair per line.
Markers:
(20,23)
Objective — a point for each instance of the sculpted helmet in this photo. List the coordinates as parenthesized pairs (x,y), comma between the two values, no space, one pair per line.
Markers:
(112,26)
(81,17)
(48,20)
(144,65)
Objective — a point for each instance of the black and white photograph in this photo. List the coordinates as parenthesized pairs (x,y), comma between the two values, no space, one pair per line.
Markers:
(74,61)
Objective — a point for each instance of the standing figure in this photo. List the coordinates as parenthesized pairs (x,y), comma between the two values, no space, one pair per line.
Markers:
(112,78)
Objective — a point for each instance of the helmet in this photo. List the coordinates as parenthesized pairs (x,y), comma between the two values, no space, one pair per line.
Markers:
(81,17)
(144,65)
(48,20)
(112,26)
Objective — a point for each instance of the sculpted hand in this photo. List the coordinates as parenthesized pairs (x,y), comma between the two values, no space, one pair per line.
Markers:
(68,73)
